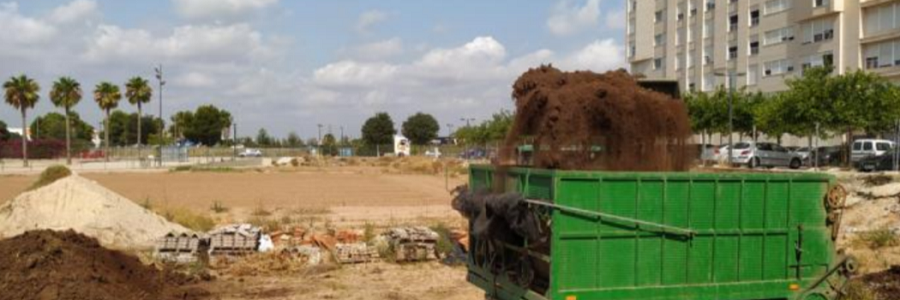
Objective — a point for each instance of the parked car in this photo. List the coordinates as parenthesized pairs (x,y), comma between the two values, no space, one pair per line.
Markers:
(251,153)
(869,147)
(754,155)
(830,156)
(803,152)
(883,162)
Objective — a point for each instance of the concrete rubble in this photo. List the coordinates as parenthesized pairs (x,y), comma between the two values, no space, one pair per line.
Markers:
(410,244)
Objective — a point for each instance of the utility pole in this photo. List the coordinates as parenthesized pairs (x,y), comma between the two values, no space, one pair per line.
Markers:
(319,141)
(730,76)
(468,125)
(342,134)
(234,142)
(162,127)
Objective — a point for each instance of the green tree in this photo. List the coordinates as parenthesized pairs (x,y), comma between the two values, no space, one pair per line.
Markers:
(181,121)
(54,125)
(138,92)
(5,135)
(293,140)
(420,128)
(263,138)
(123,128)
(329,145)
(22,93)
(107,96)
(66,93)
(379,130)
(809,101)
(207,124)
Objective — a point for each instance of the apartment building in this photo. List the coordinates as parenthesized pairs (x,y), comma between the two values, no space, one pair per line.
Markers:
(761,42)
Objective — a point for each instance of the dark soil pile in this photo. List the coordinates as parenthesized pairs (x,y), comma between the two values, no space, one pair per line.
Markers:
(70,266)
(885,285)
(588,121)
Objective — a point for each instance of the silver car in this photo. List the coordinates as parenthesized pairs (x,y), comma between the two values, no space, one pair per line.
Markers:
(769,155)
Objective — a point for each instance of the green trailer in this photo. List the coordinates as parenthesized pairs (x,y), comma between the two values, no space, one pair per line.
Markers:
(660,236)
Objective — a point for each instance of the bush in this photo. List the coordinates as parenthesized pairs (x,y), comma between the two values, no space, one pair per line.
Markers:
(189,219)
(444,244)
(51,175)
(879,238)
(37,149)
(219,208)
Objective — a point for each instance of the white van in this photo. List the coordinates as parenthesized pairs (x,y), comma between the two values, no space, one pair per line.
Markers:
(869,147)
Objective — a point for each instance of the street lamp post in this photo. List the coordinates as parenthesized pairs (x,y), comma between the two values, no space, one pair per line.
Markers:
(731,75)
(319,140)
(162,127)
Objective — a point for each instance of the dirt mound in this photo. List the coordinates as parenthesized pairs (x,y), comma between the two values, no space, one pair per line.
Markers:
(588,121)
(885,285)
(67,265)
(85,206)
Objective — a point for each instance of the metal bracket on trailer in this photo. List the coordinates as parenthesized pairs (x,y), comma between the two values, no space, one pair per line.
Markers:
(639,224)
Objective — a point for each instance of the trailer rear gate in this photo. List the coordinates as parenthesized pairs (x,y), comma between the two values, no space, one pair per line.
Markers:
(674,236)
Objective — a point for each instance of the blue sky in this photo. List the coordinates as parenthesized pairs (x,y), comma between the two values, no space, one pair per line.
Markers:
(289,65)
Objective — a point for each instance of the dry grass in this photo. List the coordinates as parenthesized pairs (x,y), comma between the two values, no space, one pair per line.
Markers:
(189,219)
(50,175)
(876,239)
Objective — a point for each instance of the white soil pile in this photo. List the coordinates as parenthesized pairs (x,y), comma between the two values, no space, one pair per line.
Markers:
(89,208)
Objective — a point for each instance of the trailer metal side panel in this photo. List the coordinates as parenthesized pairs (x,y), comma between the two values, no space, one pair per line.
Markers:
(753,235)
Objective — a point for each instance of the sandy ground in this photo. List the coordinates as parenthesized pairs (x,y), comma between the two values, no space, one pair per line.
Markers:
(375,281)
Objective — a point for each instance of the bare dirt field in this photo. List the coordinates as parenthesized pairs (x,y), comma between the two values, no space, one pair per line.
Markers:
(12,185)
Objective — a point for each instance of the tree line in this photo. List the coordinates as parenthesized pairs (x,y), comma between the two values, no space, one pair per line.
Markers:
(835,104)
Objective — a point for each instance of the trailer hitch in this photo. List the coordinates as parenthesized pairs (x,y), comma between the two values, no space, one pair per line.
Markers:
(638,224)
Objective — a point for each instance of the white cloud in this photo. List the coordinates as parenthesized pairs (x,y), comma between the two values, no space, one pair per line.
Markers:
(598,56)
(195,80)
(475,74)
(368,19)
(380,50)
(205,43)
(615,19)
(18,29)
(568,18)
(74,11)
(220,9)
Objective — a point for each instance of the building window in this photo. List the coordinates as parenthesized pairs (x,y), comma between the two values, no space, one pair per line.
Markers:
(780,35)
(678,65)
(707,55)
(818,60)
(732,52)
(707,28)
(776,6)
(631,49)
(679,34)
(752,74)
(754,17)
(631,24)
(732,23)
(882,18)
(778,67)
(710,5)
(658,17)
(659,39)
(754,47)
(632,5)
(657,63)
(709,82)
(818,30)
(883,55)
(679,11)
(820,3)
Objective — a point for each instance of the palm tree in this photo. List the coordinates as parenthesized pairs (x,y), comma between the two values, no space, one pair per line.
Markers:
(138,92)
(22,93)
(66,93)
(107,96)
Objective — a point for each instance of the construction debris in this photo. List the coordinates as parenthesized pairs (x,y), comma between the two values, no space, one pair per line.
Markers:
(355,253)
(411,244)
(236,239)
(311,255)
(182,248)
